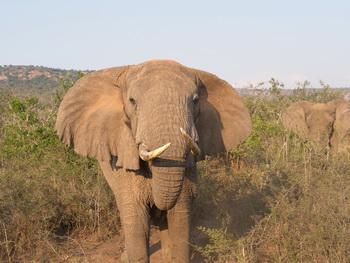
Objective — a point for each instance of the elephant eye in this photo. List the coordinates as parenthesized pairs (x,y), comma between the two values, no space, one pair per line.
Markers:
(195,99)
(132,101)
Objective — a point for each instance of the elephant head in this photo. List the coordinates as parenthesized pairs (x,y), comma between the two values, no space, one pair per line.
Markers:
(340,140)
(158,114)
(326,124)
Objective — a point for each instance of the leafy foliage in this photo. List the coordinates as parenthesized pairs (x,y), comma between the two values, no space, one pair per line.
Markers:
(46,190)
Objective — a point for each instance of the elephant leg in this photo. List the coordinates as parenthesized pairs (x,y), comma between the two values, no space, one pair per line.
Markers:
(133,211)
(136,231)
(179,226)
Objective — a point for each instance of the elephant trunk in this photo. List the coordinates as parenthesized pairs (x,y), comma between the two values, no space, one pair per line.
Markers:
(168,171)
(163,122)
(167,175)
(166,185)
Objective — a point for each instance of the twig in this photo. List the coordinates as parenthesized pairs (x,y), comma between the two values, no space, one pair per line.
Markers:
(6,243)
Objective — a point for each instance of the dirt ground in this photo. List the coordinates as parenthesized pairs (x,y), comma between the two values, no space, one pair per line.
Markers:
(109,251)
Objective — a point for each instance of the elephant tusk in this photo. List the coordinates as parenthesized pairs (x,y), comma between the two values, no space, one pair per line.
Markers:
(193,145)
(147,156)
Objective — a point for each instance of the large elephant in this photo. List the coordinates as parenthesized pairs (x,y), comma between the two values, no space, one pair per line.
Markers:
(326,124)
(147,125)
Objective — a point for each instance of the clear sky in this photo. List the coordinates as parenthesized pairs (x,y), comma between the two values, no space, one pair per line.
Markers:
(241,41)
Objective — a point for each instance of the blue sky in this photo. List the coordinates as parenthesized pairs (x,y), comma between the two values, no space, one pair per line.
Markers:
(240,41)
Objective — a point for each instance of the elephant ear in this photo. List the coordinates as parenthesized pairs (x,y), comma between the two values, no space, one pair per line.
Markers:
(91,119)
(340,140)
(224,121)
(294,117)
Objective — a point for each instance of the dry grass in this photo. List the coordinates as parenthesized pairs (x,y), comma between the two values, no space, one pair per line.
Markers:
(288,203)
(274,199)
(48,194)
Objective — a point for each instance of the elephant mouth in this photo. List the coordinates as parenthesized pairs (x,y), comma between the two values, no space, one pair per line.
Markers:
(147,155)
(164,162)
(168,170)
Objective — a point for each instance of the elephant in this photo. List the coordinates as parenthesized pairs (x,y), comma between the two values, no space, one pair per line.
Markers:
(327,125)
(148,125)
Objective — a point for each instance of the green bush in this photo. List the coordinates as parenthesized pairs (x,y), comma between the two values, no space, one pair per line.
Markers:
(47,192)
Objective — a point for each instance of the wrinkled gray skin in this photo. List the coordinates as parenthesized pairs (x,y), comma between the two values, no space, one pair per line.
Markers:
(111,114)
(325,124)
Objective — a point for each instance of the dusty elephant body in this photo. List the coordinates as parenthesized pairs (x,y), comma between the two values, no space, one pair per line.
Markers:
(326,124)
(120,115)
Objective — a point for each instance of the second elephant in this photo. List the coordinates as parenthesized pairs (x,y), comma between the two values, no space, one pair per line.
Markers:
(326,124)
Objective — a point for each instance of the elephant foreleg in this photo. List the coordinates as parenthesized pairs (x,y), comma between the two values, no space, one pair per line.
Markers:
(134,213)
(135,221)
(179,226)
(136,230)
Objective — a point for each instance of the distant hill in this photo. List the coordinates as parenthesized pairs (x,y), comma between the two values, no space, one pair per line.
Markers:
(36,80)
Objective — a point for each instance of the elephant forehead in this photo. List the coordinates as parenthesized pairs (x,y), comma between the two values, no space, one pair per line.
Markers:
(319,119)
(328,108)
(159,68)
(322,111)
(162,80)
(319,106)
(320,116)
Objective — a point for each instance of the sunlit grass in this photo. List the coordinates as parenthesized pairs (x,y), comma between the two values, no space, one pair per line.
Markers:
(273,199)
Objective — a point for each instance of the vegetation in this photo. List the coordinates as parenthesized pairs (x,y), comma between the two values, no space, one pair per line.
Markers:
(274,199)
(48,194)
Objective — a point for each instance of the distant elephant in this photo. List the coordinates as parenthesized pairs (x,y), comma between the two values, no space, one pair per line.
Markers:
(147,125)
(326,124)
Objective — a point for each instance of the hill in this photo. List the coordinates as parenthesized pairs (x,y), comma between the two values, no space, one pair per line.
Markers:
(43,82)
(34,80)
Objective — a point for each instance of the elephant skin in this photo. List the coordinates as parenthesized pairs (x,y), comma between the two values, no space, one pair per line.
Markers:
(116,114)
(325,124)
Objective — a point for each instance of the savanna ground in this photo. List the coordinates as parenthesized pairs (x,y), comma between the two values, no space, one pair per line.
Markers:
(274,199)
